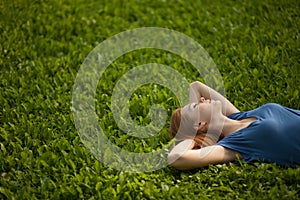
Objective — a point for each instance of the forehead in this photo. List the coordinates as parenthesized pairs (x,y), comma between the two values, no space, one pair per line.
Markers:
(188,122)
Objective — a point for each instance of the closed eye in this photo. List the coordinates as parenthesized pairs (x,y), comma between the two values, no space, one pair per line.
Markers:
(195,105)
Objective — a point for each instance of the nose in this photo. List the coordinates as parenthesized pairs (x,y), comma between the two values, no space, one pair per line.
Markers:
(202,99)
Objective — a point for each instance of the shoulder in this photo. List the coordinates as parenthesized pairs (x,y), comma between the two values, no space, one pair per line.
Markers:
(257,112)
(271,105)
(270,109)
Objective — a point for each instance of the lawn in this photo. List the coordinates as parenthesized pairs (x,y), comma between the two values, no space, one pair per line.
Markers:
(254,44)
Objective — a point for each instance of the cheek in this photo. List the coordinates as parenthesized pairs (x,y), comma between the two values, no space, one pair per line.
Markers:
(195,115)
(205,114)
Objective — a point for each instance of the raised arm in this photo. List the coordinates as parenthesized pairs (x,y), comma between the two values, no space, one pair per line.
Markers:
(186,158)
(198,90)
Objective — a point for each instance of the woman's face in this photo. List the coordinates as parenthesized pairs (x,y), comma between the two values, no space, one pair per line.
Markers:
(197,116)
(202,111)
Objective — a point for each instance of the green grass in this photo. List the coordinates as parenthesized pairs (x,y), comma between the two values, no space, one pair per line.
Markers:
(255,45)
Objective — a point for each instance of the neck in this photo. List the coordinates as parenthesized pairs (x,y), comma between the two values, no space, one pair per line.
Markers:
(226,126)
(231,126)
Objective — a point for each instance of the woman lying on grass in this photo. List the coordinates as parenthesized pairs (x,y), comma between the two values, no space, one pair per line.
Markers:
(211,130)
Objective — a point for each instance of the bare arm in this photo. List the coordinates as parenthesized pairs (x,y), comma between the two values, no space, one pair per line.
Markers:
(190,159)
(198,90)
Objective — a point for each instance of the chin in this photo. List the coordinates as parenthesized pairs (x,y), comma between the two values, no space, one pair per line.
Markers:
(217,103)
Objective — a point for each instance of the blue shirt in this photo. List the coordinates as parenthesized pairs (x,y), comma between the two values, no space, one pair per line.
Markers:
(274,137)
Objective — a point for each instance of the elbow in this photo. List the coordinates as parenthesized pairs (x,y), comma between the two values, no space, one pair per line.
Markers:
(176,161)
(195,84)
(172,158)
